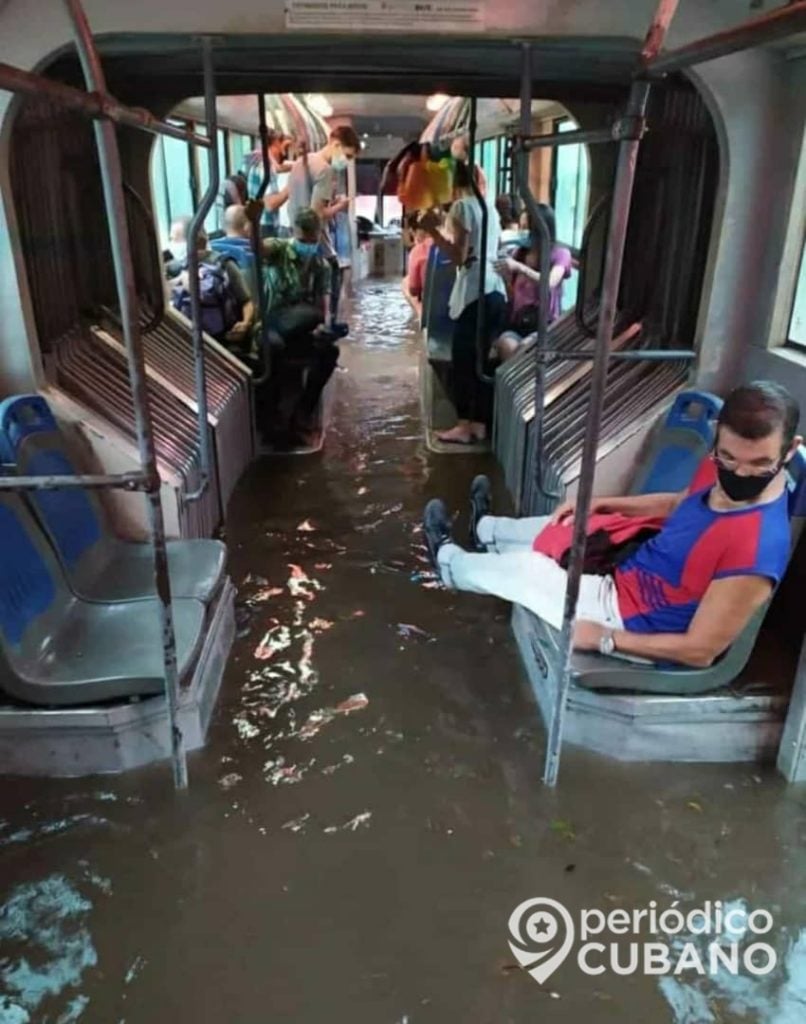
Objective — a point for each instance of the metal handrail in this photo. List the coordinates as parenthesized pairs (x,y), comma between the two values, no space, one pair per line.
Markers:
(195,226)
(59,481)
(257,252)
(96,104)
(539,235)
(115,203)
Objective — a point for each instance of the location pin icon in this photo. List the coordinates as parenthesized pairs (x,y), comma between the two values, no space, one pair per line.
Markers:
(542,934)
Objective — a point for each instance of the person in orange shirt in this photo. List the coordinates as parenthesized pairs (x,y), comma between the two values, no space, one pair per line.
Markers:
(413,284)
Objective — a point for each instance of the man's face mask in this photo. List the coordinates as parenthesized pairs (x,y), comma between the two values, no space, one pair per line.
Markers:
(744,488)
(339,161)
(306,249)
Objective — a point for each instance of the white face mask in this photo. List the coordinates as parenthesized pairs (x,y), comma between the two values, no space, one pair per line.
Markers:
(339,162)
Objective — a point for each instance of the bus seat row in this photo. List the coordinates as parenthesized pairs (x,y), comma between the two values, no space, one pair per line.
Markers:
(98,565)
(79,617)
(685,436)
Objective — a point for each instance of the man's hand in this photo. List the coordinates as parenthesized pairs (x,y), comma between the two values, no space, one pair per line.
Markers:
(565,513)
(587,635)
(506,266)
(237,331)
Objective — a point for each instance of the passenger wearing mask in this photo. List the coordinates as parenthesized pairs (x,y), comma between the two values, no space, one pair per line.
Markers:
(274,197)
(471,396)
(237,241)
(227,309)
(522,274)
(414,282)
(295,277)
(715,551)
(312,183)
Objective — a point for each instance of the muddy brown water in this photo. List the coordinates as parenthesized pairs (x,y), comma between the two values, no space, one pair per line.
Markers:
(368,811)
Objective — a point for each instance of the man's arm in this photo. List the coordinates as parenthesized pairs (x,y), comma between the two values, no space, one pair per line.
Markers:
(274,200)
(661,505)
(723,613)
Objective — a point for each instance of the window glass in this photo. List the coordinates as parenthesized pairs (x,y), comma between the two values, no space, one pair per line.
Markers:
(797,325)
(571,200)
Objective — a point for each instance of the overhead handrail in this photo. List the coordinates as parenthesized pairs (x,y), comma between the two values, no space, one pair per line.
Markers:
(255,218)
(96,104)
(115,204)
(194,285)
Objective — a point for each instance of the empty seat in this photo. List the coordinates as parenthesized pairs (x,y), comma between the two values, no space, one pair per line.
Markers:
(677,448)
(99,566)
(56,649)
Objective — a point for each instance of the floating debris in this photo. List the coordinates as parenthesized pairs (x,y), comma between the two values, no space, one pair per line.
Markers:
(302,585)
(266,594)
(352,825)
(362,491)
(321,625)
(323,566)
(306,527)
(246,729)
(359,614)
(297,824)
(49,828)
(323,716)
(277,639)
(137,965)
(278,771)
(405,629)
(228,781)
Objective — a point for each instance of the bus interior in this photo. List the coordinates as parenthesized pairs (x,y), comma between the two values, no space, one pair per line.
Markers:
(174,586)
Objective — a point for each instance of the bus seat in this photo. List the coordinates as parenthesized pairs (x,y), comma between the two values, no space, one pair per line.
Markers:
(686,435)
(439,278)
(596,672)
(98,565)
(56,649)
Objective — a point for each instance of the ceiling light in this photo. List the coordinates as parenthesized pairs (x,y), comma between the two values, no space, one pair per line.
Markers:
(436,102)
(320,104)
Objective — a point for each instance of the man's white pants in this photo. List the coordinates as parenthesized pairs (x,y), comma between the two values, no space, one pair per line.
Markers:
(510,569)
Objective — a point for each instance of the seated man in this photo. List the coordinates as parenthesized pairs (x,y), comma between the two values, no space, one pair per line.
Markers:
(226,307)
(236,243)
(295,277)
(683,596)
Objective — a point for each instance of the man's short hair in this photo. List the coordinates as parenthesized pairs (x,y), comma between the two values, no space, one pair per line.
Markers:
(756,410)
(346,136)
(235,219)
(307,221)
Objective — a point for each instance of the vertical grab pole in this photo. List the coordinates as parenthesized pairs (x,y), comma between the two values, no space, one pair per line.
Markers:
(481,354)
(196,224)
(539,233)
(254,222)
(614,258)
(114,201)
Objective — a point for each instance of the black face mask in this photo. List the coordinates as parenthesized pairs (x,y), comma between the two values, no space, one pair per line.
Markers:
(744,488)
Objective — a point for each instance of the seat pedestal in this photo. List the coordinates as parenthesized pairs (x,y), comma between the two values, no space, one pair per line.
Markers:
(110,738)
(717,727)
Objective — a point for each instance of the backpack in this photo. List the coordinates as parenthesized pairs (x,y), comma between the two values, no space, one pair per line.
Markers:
(219,308)
(235,191)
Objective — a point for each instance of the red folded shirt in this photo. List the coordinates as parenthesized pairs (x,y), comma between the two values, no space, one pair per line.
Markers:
(554,540)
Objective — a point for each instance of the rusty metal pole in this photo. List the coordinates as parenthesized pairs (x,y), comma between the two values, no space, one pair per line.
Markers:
(196,225)
(619,218)
(114,200)
(93,104)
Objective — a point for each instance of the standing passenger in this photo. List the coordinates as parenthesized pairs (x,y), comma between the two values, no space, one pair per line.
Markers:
(414,282)
(274,197)
(472,397)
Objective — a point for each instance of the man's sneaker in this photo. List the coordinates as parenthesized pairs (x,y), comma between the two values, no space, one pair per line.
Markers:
(437,528)
(481,503)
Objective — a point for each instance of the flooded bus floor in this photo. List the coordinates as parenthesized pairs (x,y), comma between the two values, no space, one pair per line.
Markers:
(368,810)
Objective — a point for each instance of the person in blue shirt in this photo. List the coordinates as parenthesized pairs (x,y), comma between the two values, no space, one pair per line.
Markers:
(715,554)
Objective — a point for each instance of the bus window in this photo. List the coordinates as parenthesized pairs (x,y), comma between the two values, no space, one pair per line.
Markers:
(797,326)
(570,199)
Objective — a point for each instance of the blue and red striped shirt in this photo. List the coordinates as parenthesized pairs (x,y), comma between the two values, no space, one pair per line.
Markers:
(660,587)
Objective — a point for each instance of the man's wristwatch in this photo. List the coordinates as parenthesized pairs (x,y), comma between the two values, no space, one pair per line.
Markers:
(607,642)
